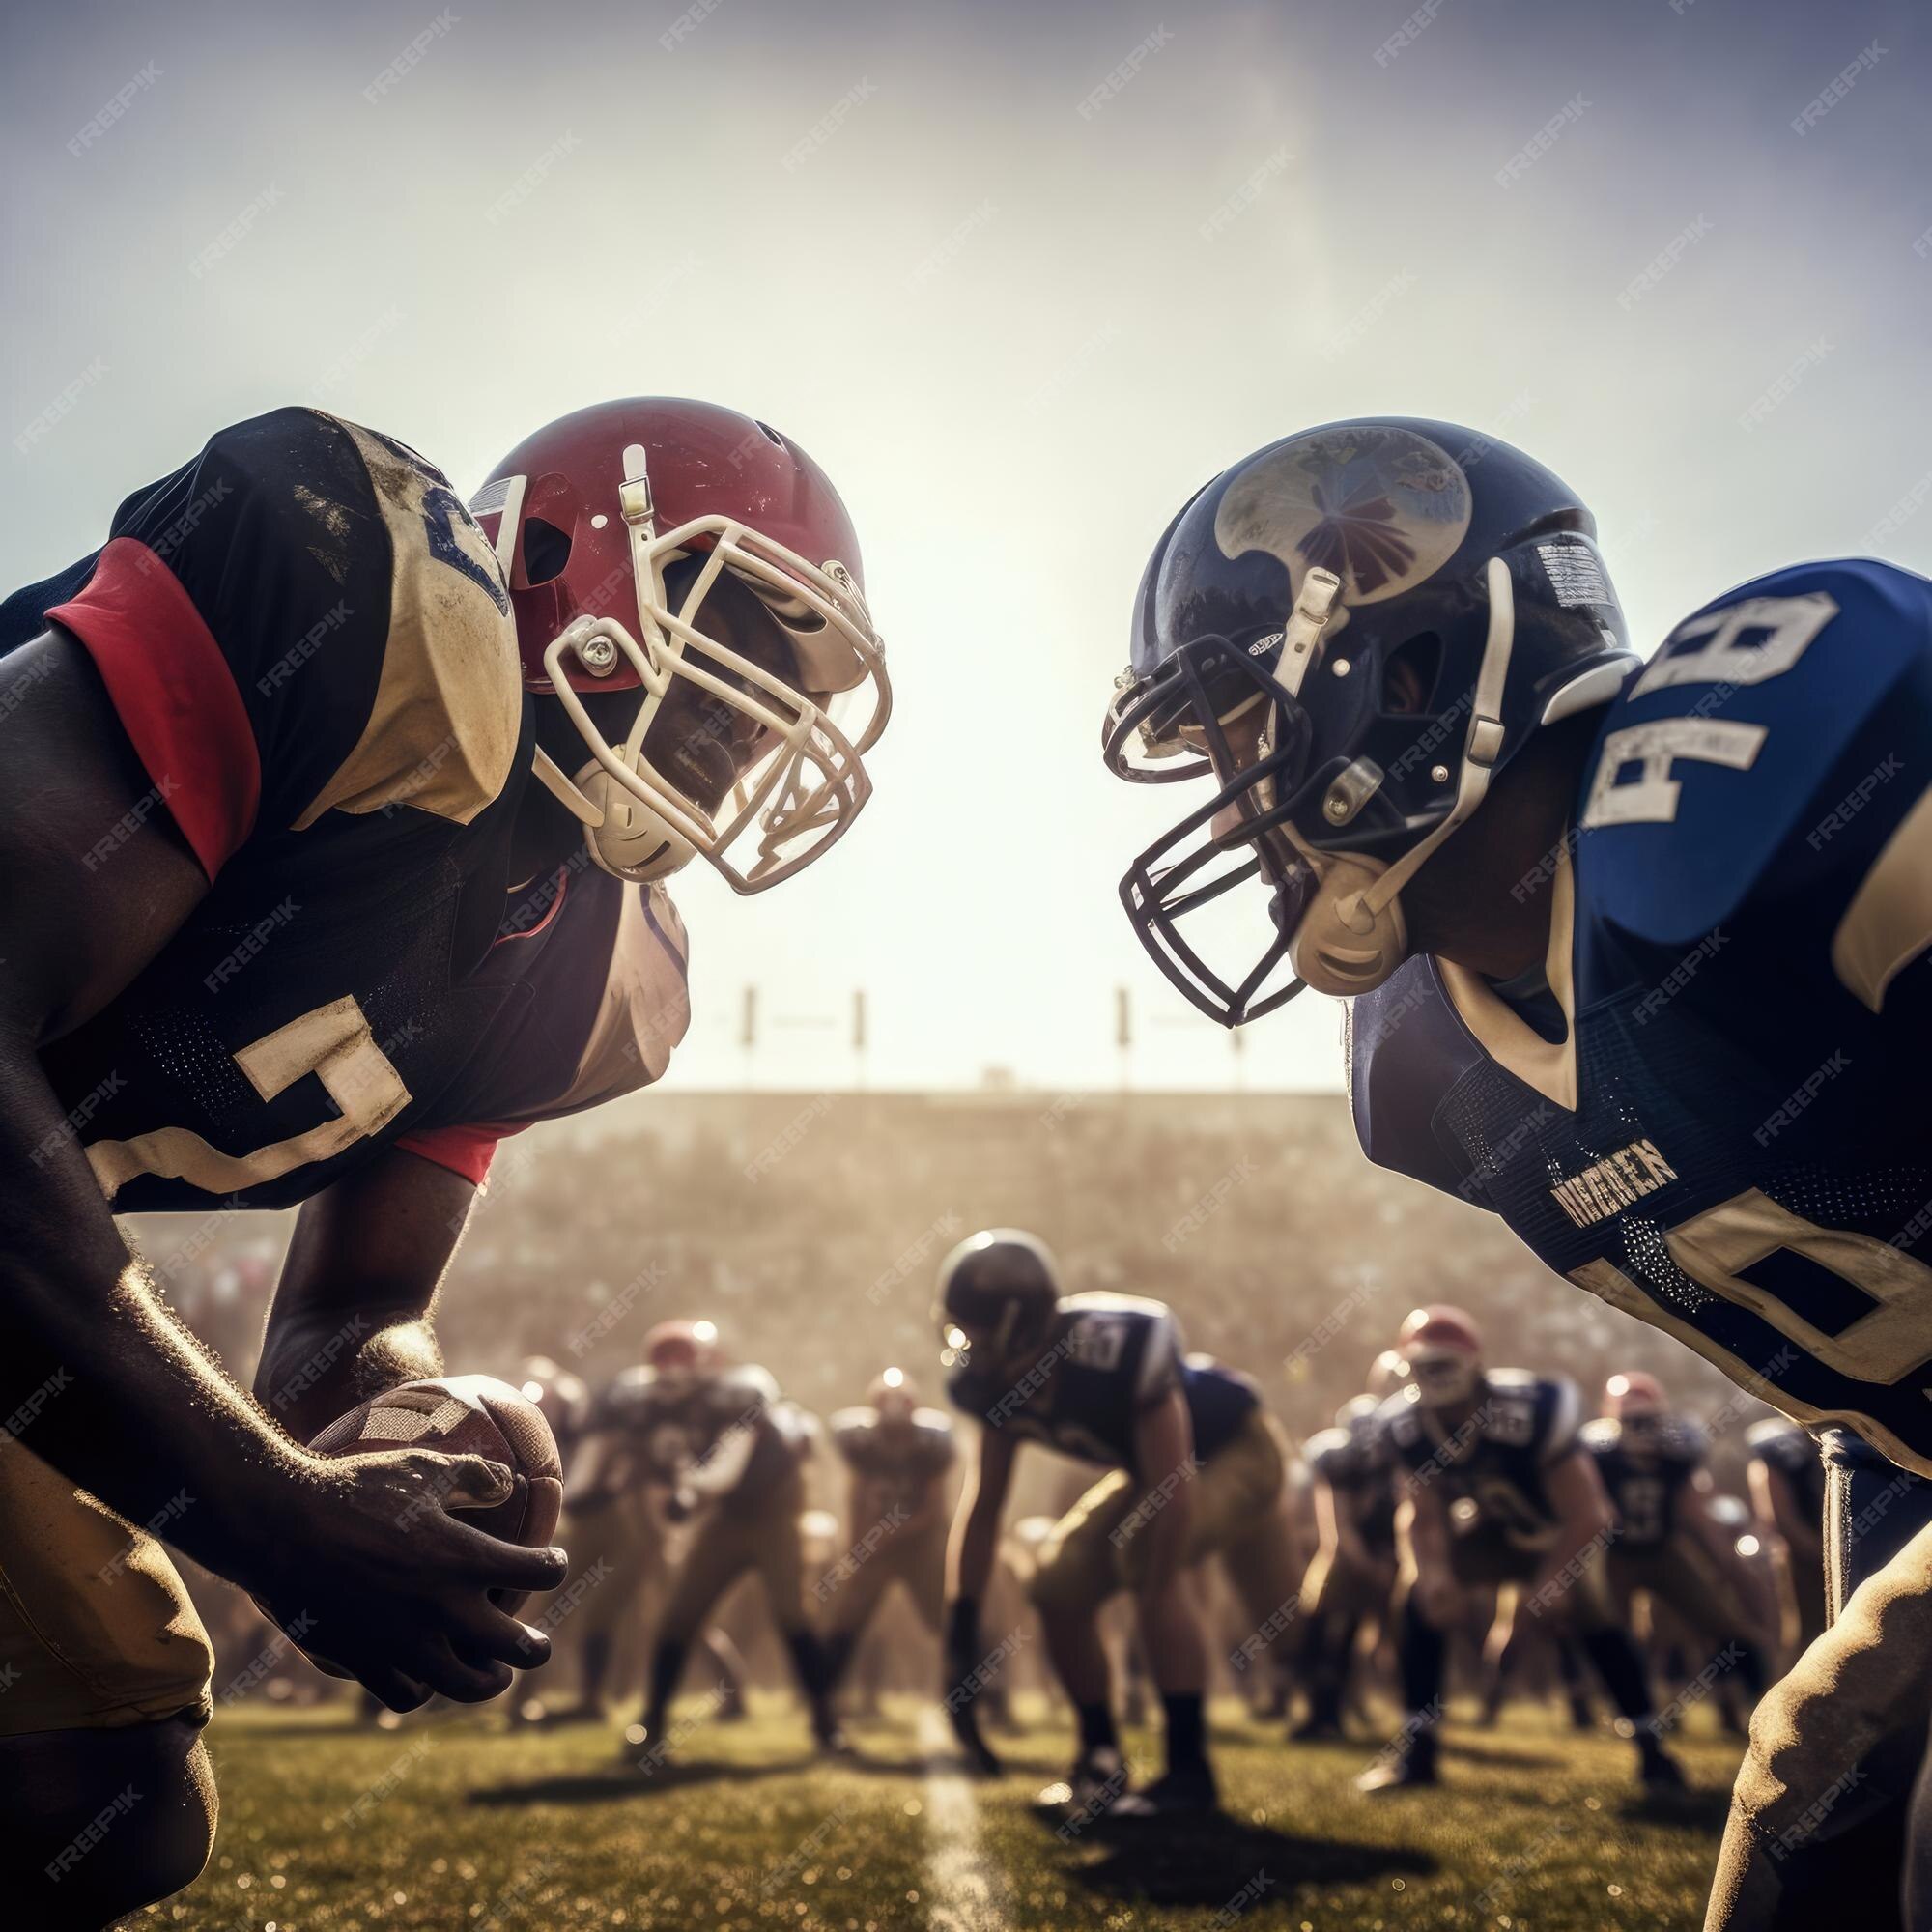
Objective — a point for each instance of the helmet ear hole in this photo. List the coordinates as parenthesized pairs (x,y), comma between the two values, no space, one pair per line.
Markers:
(1412,673)
(546,549)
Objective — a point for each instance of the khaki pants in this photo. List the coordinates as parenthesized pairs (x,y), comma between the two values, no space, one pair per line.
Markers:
(1098,1550)
(852,1589)
(731,1538)
(95,1627)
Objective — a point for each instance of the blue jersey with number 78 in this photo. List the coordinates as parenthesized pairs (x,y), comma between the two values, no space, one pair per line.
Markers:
(1707,1109)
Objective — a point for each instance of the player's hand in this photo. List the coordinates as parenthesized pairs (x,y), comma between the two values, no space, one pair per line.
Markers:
(965,1680)
(368,1570)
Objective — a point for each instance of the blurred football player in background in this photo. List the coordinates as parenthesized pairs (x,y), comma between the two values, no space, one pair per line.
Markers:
(634,1448)
(435,766)
(1669,1548)
(1631,950)
(900,1457)
(1195,1469)
(1496,1489)
(1352,1582)
(740,1482)
(1787,1484)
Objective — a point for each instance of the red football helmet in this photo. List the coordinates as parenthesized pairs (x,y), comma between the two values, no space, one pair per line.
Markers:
(1637,1394)
(588,515)
(680,1350)
(894,1394)
(1444,1352)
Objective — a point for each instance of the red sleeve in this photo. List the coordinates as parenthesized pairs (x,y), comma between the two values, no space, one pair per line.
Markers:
(463,1151)
(173,694)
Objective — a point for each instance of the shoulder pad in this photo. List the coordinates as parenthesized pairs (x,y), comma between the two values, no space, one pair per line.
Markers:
(852,1426)
(1601,1436)
(1404,1047)
(1098,1301)
(934,1421)
(1331,1455)
(1718,754)
(1684,1439)
(744,1387)
(1775,1440)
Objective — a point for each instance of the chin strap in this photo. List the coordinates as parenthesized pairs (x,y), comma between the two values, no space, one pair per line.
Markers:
(1481,749)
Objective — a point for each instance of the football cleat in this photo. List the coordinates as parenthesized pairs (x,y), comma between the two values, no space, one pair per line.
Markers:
(1404,1766)
(1096,1784)
(1187,1792)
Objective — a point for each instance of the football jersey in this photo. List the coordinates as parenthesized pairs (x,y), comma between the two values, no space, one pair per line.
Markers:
(311,648)
(1494,1464)
(677,1424)
(1106,1361)
(1354,1462)
(1794,1454)
(1646,1486)
(902,1461)
(1709,1120)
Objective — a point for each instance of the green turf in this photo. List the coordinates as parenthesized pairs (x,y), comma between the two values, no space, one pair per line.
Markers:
(456,1824)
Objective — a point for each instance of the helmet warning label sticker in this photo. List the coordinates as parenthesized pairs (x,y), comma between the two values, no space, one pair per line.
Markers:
(1574,574)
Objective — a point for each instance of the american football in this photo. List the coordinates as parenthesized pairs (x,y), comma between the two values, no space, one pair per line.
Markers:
(962,967)
(474,1415)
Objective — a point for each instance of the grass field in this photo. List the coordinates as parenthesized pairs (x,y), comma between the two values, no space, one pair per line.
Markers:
(454,1822)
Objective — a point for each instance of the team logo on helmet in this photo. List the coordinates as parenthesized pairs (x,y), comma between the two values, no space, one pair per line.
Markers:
(1384,509)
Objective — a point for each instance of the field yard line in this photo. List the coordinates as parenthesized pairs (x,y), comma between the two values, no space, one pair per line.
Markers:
(966,1894)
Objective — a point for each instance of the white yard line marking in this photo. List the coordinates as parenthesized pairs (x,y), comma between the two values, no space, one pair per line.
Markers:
(966,1894)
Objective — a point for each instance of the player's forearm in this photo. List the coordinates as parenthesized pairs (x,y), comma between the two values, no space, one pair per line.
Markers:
(969,1563)
(97,1378)
(313,1368)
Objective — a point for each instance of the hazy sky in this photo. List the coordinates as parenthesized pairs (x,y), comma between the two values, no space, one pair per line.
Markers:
(1021,278)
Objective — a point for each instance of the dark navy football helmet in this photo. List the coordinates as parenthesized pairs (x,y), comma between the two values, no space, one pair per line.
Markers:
(1353,630)
(998,1291)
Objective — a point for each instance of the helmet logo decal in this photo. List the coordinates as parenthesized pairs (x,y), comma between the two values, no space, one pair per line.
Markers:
(1380,507)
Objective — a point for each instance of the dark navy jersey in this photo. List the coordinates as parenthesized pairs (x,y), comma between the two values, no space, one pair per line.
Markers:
(1107,1360)
(675,1423)
(1716,1134)
(903,1460)
(1355,1464)
(311,648)
(1494,1464)
(1646,1474)
(1793,1451)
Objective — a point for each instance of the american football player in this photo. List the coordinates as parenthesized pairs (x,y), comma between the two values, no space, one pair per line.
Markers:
(1636,957)
(899,1456)
(1787,1486)
(1195,1468)
(1352,1577)
(633,1449)
(1496,1489)
(337,820)
(1669,1548)
(740,1449)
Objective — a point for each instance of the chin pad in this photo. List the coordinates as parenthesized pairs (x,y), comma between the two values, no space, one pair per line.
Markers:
(1330,953)
(634,842)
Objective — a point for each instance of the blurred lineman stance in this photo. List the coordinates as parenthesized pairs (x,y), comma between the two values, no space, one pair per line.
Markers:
(737,1447)
(1495,1490)
(635,1448)
(1635,952)
(899,1456)
(1352,1581)
(337,820)
(1196,1469)
(1671,1548)
(1787,1485)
